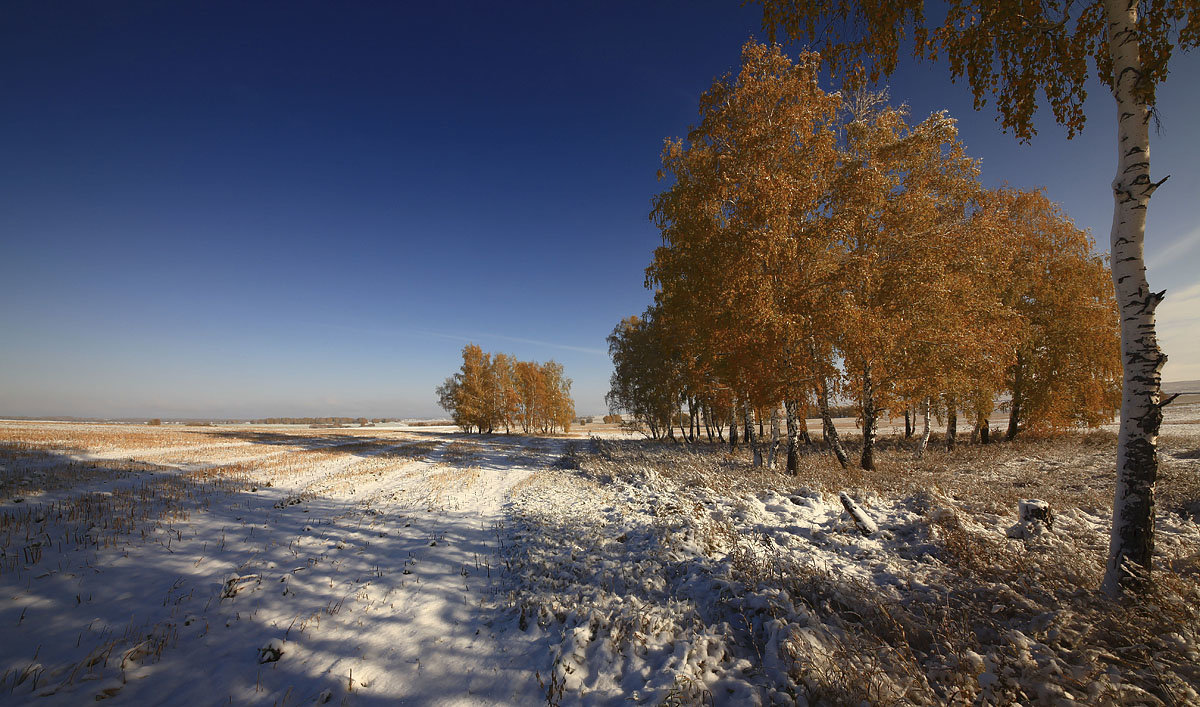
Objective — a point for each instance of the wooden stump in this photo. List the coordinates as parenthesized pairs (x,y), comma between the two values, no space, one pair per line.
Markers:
(1032,510)
(1034,516)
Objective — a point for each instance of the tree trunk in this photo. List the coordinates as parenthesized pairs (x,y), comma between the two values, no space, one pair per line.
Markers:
(803,423)
(925,430)
(793,456)
(1014,405)
(1014,415)
(691,418)
(733,427)
(773,450)
(755,448)
(951,421)
(870,415)
(694,413)
(981,433)
(908,426)
(1132,543)
(831,435)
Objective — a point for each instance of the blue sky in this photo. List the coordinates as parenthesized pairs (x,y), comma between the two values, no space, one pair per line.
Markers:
(251,209)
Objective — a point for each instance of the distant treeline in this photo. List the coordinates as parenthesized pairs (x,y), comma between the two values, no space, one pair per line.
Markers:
(318,421)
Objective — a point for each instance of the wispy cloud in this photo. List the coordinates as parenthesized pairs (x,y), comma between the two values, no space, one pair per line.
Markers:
(1175,250)
(1178,325)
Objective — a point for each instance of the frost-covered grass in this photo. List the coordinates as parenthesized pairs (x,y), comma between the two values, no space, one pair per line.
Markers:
(680,574)
(259,565)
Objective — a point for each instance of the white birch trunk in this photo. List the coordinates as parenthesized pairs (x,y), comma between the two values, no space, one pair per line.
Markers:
(924,430)
(1132,544)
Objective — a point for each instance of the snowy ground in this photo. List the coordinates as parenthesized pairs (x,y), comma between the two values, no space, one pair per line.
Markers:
(410,566)
(277,570)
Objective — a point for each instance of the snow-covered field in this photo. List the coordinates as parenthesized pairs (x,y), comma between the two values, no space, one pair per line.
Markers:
(413,566)
(146,566)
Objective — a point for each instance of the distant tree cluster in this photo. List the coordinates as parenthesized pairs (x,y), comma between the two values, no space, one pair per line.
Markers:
(820,245)
(497,391)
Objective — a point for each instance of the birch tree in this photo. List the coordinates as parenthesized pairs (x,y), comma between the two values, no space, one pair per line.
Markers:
(1015,50)
(741,241)
(488,392)
(644,382)
(898,210)
(1064,368)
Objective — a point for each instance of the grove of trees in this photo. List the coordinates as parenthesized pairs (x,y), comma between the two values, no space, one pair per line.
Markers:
(492,392)
(1017,52)
(822,245)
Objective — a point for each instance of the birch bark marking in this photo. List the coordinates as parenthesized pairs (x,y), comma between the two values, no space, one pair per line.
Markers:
(1132,544)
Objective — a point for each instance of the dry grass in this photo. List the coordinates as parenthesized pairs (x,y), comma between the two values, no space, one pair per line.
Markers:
(1026,610)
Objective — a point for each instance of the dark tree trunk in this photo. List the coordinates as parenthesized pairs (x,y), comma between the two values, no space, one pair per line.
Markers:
(755,448)
(908,425)
(951,421)
(1014,410)
(1014,417)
